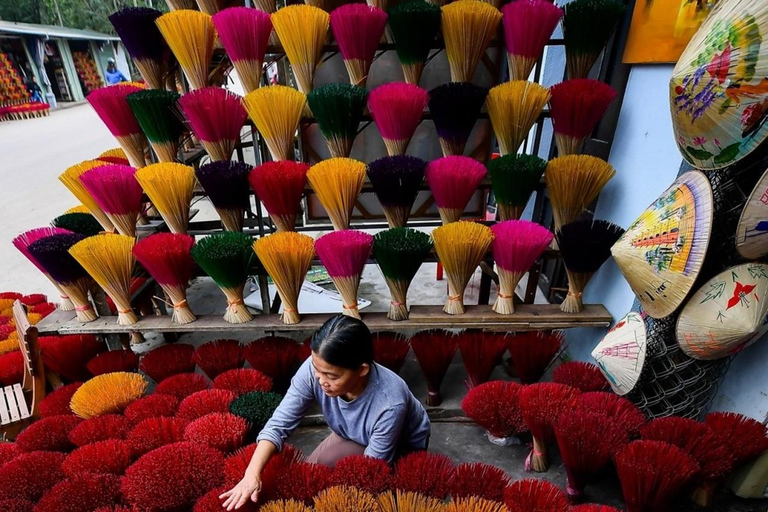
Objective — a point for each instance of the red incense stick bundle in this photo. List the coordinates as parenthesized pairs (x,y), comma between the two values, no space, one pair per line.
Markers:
(652,473)
(583,376)
(481,353)
(453,181)
(115,189)
(280,186)
(244,33)
(390,350)
(517,246)
(542,405)
(532,495)
(397,109)
(357,29)
(166,256)
(618,409)
(528,25)
(532,352)
(434,350)
(576,106)
(344,254)
(112,108)
(216,117)
(22,243)
(495,406)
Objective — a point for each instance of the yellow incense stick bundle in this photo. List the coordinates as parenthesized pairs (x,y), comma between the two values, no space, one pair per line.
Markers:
(169,187)
(468,27)
(302,30)
(513,108)
(71,179)
(337,183)
(276,111)
(190,35)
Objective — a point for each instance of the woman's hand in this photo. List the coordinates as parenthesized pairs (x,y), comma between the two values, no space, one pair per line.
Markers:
(247,489)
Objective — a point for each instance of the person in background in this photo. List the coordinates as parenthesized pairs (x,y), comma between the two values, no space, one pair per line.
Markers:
(369,409)
(35,92)
(113,75)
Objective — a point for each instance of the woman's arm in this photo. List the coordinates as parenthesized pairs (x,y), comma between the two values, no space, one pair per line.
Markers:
(250,486)
(385,437)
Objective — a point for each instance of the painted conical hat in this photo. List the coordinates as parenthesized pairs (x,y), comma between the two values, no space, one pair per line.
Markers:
(662,252)
(727,314)
(621,354)
(719,88)
(752,231)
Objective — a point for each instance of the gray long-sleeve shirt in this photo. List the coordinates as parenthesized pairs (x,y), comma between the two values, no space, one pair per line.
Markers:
(384,417)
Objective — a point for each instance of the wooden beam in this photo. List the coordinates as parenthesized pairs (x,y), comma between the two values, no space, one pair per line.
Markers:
(527,317)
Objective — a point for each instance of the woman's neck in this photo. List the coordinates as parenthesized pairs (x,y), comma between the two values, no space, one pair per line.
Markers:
(358,389)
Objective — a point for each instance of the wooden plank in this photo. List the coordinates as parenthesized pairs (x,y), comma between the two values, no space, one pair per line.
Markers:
(526,317)
(21,401)
(10,398)
(5,417)
(51,323)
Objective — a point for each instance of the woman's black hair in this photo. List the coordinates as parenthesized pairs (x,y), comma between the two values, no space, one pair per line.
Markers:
(344,341)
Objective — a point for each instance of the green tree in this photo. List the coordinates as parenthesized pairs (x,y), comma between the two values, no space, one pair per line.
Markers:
(25,11)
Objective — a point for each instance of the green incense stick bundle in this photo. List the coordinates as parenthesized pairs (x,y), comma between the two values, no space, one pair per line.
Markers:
(158,116)
(587,26)
(338,109)
(414,25)
(513,180)
(81,223)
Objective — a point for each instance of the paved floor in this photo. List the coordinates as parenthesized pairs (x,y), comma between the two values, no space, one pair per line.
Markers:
(35,152)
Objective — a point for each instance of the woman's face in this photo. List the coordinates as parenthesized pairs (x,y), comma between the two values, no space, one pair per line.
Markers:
(337,381)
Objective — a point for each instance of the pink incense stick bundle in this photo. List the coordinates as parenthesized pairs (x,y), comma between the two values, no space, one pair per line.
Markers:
(344,254)
(518,244)
(115,189)
(358,29)
(280,186)
(397,109)
(528,25)
(167,258)
(216,117)
(24,240)
(114,111)
(453,181)
(244,33)
(576,106)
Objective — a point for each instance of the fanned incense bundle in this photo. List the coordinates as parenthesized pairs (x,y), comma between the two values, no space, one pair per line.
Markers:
(110,393)
(109,260)
(118,194)
(542,404)
(345,497)
(399,253)
(576,106)
(513,108)
(227,258)
(244,33)
(390,349)
(585,246)
(455,107)
(337,183)
(528,25)
(357,29)
(495,406)
(114,156)
(460,247)
(169,187)
(481,352)
(52,254)
(338,109)
(434,351)
(468,27)
(22,243)
(280,186)
(513,179)
(516,246)
(276,111)
(396,181)
(71,179)
(80,223)
(112,108)
(532,352)
(286,257)
(216,117)
(396,109)
(146,46)
(166,256)
(587,26)
(302,30)
(414,25)
(156,113)
(80,208)
(226,184)
(344,255)
(586,377)
(453,181)
(534,495)
(190,35)
(573,182)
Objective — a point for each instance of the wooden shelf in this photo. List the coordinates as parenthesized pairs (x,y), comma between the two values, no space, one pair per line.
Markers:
(527,317)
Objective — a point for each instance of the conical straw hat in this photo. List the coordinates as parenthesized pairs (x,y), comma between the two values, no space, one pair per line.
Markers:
(719,88)
(662,252)
(727,314)
(621,354)
(752,231)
